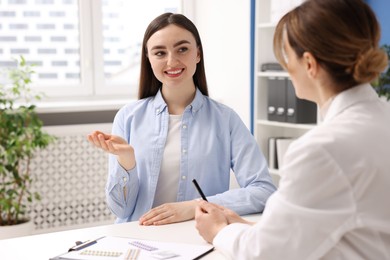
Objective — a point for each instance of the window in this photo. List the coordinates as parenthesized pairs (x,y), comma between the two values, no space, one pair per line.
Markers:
(85,48)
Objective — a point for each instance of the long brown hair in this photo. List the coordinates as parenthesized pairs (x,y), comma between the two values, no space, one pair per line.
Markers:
(343,35)
(149,84)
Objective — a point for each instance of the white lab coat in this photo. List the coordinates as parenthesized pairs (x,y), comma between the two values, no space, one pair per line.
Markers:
(333,198)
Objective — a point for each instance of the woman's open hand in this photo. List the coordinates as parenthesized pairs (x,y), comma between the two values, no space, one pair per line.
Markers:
(115,145)
(169,213)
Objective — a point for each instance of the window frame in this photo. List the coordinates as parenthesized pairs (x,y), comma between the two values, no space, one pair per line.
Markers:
(92,82)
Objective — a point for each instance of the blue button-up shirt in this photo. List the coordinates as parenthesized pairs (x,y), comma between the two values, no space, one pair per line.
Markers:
(214,140)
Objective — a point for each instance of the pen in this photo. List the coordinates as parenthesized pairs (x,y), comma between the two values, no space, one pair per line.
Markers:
(199,189)
(84,245)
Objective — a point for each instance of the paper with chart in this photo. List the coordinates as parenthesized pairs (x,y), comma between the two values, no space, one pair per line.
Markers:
(119,248)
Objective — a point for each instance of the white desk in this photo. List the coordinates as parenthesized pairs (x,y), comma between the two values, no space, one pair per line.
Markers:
(45,246)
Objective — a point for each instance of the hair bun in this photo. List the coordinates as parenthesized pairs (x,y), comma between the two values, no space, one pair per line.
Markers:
(369,65)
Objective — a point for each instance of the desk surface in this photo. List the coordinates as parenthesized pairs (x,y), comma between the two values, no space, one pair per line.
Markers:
(45,246)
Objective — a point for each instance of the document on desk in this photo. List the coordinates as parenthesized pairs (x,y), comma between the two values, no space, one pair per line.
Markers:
(121,248)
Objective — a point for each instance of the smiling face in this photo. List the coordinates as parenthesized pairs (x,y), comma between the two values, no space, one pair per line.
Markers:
(173,55)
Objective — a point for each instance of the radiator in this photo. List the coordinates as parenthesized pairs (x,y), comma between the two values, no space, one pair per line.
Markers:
(70,175)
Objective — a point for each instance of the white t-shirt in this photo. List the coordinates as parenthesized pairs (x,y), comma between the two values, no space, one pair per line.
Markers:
(168,179)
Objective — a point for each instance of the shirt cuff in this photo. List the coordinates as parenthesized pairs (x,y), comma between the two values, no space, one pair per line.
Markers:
(122,177)
(227,238)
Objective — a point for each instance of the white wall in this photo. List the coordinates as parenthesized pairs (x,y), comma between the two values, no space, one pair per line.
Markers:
(224,26)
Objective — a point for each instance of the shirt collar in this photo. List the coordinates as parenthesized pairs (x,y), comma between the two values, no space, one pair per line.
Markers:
(196,104)
(349,97)
(324,109)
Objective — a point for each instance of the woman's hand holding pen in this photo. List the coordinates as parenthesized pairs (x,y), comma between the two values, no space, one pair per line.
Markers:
(115,145)
(211,218)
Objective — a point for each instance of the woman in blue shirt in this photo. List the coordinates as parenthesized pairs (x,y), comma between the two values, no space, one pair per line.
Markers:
(175,133)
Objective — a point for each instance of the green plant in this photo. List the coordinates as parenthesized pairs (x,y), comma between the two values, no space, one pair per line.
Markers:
(21,135)
(382,84)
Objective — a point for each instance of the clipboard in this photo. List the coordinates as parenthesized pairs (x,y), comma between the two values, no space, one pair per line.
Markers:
(125,248)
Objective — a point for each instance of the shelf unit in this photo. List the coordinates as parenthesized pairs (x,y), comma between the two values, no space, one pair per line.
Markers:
(263,129)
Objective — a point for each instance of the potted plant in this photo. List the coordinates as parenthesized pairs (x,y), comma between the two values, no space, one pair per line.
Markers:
(21,135)
(382,84)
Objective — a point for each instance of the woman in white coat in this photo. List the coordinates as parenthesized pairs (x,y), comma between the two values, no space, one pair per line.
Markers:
(332,202)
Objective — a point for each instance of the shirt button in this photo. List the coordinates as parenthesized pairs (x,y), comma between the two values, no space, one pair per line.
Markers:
(184,126)
(184,151)
(157,111)
(124,179)
(183,177)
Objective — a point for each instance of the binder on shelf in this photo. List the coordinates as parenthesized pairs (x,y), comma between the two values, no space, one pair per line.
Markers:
(284,106)
(282,145)
(271,66)
(272,153)
(276,99)
(277,147)
(298,110)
